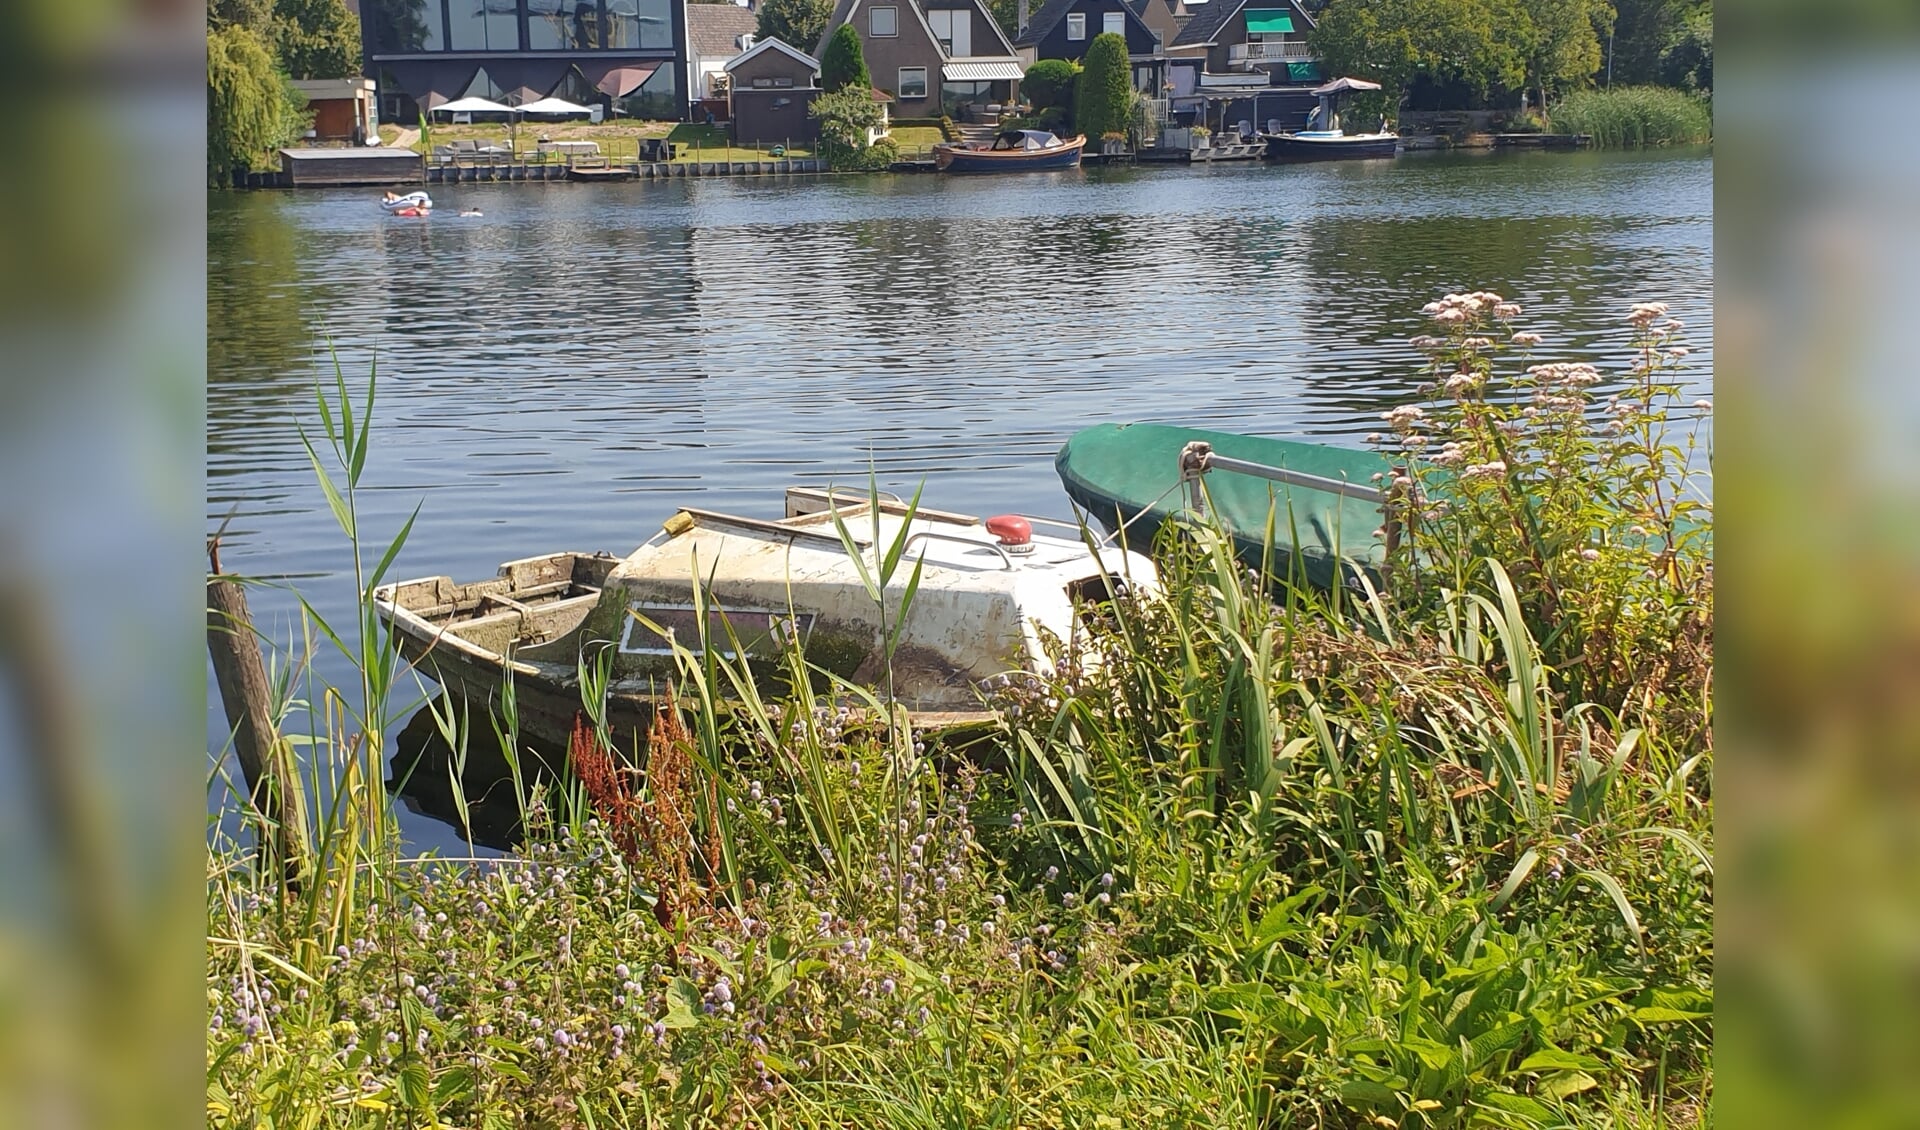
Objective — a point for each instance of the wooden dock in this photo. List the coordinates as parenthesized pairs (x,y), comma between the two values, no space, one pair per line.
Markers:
(1542,140)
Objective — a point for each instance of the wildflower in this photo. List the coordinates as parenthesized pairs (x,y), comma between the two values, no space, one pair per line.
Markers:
(1589,554)
(1703,405)
(1052,874)
(1678,352)
(1506,311)
(1476,343)
(1450,317)
(1526,339)
(1106,880)
(887,986)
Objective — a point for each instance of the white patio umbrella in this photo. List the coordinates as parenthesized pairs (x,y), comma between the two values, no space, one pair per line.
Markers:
(471,106)
(554,106)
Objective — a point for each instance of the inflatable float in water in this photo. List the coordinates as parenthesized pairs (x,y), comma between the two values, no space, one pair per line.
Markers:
(412,204)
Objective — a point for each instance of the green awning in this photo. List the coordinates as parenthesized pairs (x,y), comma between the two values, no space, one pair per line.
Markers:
(1303,72)
(1268,21)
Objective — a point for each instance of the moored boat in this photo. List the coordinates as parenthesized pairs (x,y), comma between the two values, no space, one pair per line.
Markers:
(1322,504)
(1329,142)
(990,595)
(1012,151)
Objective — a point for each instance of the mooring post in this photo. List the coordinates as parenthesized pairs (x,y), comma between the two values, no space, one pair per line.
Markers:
(266,759)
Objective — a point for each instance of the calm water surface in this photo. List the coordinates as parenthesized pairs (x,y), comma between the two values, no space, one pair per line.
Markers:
(563,371)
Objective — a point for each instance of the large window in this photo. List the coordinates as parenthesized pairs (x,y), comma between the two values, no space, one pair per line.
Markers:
(913,83)
(883,22)
(403,27)
(639,23)
(559,25)
(1114,23)
(1076,26)
(657,99)
(483,25)
(953,27)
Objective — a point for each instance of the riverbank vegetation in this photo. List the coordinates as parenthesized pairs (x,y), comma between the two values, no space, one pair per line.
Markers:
(1436,854)
(1518,54)
(253,48)
(1631,116)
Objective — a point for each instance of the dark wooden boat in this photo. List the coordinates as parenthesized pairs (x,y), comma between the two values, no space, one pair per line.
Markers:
(1327,141)
(1013,151)
(1330,145)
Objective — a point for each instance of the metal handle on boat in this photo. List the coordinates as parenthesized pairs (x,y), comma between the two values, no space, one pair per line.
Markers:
(1005,560)
(1197,458)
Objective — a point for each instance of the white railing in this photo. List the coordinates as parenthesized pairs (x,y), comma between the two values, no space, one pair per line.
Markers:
(1268,52)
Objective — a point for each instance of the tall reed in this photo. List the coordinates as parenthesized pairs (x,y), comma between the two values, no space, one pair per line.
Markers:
(1629,117)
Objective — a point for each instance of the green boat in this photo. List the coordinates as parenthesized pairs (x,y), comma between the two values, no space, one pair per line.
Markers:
(1323,504)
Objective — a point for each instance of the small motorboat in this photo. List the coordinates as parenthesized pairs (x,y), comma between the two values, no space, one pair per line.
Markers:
(992,594)
(412,204)
(1327,510)
(1012,151)
(1329,142)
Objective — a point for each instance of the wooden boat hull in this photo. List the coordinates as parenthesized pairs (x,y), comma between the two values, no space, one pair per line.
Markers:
(1130,474)
(982,607)
(1290,147)
(950,158)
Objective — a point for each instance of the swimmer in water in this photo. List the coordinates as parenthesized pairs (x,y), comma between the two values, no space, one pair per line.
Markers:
(469,211)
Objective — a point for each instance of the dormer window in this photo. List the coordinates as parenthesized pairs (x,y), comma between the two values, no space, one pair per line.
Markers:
(1114,23)
(883,23)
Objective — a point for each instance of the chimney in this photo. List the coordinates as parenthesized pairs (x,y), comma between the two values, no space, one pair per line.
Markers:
(1023,19)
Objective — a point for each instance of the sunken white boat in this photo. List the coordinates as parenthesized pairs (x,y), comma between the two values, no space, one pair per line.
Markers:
(991,595)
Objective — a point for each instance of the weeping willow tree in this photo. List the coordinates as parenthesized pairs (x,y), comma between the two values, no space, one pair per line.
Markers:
(250,108)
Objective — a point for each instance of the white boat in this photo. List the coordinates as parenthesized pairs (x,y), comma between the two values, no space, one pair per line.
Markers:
(991,594)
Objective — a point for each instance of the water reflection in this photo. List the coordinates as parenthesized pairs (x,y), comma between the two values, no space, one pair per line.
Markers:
(468,785)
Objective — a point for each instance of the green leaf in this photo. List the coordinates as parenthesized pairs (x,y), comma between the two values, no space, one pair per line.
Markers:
(1517,876)
(454,1085)
(1567,1083)
(393,550)
(683,1004)
(1363,1092)
(1553,1059)
(1516,1104)
(1610,885)
(1433,1056)
(415,1087)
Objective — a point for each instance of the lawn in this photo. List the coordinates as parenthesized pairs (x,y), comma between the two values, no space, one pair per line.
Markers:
(916,141)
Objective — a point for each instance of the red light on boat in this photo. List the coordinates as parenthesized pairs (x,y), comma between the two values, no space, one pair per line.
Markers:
(1015,533)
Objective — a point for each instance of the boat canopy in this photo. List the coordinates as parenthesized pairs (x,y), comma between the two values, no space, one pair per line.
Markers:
(1343,85)
(1029,139)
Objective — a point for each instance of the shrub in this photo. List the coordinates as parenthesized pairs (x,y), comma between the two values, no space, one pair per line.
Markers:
(1049,82)
(844,64)
(1105,87)
(1588,503)
(948,130)
(1635,115)
(845,116)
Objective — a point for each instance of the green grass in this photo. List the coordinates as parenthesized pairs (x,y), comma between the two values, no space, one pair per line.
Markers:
(1633,116)
(916,141)
(1265,863)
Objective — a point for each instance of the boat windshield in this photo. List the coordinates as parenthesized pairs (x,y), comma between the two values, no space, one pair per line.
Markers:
(1025,139)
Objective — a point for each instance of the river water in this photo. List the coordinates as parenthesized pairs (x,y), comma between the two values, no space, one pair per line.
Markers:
(563,370)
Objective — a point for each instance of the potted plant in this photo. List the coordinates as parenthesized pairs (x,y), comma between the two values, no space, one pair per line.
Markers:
(1113,143)
(1200,135)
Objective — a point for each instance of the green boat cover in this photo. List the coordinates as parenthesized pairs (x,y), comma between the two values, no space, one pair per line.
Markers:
(1118,471)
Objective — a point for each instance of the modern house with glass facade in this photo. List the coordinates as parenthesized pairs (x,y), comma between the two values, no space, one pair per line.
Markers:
(629,56)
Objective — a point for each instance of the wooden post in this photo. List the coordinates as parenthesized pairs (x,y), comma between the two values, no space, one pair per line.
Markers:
(267,761)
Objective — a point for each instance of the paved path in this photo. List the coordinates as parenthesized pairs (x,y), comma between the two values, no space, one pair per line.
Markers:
(408,135)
